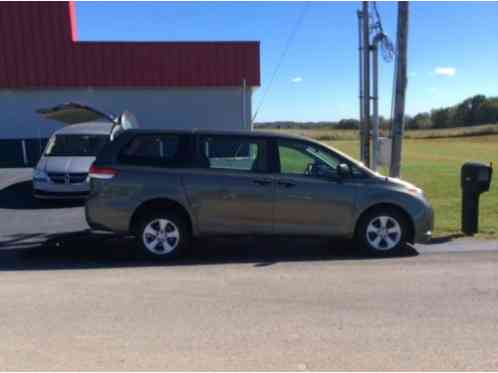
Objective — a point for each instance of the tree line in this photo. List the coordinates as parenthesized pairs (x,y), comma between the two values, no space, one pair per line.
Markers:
(472,111)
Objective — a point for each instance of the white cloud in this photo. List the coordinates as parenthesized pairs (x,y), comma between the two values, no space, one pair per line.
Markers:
(445,71)
(297,79)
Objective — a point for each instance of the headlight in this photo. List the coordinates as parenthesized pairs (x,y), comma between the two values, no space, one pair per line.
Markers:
(415,191)
(40,176)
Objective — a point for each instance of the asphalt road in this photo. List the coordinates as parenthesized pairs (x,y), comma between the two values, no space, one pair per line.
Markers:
(75,300)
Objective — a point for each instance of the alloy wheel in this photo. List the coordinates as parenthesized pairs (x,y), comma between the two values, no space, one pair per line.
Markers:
(161,236)
(383,233)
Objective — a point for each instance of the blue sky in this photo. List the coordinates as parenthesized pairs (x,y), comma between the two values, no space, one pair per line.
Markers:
(453,48)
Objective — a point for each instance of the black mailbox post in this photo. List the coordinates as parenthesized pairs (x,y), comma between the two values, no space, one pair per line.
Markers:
(475,179)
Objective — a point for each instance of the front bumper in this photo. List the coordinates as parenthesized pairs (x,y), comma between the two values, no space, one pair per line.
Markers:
(424,226)
(424,237)
(41,194)
(49,190)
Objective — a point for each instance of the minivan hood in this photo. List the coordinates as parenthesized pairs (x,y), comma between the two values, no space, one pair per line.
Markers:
(402,183)
(65,164)
(396,181)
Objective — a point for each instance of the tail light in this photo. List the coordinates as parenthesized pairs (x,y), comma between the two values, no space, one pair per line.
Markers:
(102,172)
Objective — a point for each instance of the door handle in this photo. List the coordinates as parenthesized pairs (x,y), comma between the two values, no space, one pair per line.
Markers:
(262,182)
(286,184)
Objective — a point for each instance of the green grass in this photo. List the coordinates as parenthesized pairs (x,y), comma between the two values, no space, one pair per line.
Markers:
(336,135)
(293,162)
(434,165)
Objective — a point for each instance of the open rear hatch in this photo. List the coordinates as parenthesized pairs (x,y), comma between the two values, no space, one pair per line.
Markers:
(73,113)
(126,121)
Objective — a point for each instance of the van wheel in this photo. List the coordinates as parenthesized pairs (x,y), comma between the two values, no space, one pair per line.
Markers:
(383,232)
(163,235)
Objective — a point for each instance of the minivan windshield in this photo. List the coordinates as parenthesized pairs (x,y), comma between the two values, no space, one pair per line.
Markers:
(75,145)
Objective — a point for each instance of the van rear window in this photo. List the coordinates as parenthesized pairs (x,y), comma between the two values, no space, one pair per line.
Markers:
(75,145)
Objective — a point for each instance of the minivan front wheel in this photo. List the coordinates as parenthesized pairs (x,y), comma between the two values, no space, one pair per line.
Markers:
(383,232)
(163,235)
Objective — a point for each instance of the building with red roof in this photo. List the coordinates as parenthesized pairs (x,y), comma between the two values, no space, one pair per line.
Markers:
(165,84)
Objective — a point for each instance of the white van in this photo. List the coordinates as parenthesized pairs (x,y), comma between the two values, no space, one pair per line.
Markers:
(62,171)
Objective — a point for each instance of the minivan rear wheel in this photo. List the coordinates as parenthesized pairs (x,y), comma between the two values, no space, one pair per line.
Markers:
(163,235)
(383,232)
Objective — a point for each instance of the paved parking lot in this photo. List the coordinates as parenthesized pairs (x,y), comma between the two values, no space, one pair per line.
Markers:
(72,299)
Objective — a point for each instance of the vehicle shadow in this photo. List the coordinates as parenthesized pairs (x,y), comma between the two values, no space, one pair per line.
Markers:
(91,250)
(445,239)
(19,196)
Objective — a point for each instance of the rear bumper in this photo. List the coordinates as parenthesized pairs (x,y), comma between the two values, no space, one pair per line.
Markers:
(92,223)
(107,214)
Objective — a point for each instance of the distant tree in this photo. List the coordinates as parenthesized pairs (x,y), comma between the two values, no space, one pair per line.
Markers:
(488,113)
(472,111)
(441,118)
(384,123)
(348,124)
(419,121)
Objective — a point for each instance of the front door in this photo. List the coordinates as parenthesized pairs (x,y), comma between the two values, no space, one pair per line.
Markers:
(310,198)
(231,191)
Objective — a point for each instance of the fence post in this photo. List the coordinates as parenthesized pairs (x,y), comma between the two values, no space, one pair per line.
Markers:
(24,152)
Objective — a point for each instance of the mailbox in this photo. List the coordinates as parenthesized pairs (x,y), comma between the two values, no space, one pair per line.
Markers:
(475,178)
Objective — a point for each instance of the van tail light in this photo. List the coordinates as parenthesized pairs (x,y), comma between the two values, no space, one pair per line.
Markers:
(102,172)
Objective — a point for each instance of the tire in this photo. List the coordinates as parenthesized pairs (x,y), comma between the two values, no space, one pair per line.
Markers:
(163,235)
(383,232)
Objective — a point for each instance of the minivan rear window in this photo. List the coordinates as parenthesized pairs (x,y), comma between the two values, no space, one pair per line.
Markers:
(75,145)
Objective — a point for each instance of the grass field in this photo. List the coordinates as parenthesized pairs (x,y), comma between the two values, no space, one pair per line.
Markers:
(333,135)
(434,165)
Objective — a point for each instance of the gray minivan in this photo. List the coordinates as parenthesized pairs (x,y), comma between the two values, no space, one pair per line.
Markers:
(166,187)
(62,171)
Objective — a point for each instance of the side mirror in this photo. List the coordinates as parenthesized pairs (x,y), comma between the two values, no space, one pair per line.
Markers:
(322,170)
(343,170)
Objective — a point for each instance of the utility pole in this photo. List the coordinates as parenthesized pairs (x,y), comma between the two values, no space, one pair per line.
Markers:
(365,124)
(375,98)
(360,75)
(400,86)
(245,124)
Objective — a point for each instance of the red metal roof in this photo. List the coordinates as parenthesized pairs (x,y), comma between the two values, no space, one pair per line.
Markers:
(39,48)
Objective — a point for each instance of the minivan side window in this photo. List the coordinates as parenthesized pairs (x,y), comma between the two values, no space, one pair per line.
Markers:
(154,150)
(301,158)
(233,153)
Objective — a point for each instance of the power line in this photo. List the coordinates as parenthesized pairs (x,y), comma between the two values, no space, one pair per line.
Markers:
(377,24)
(287,45)
(386,46)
